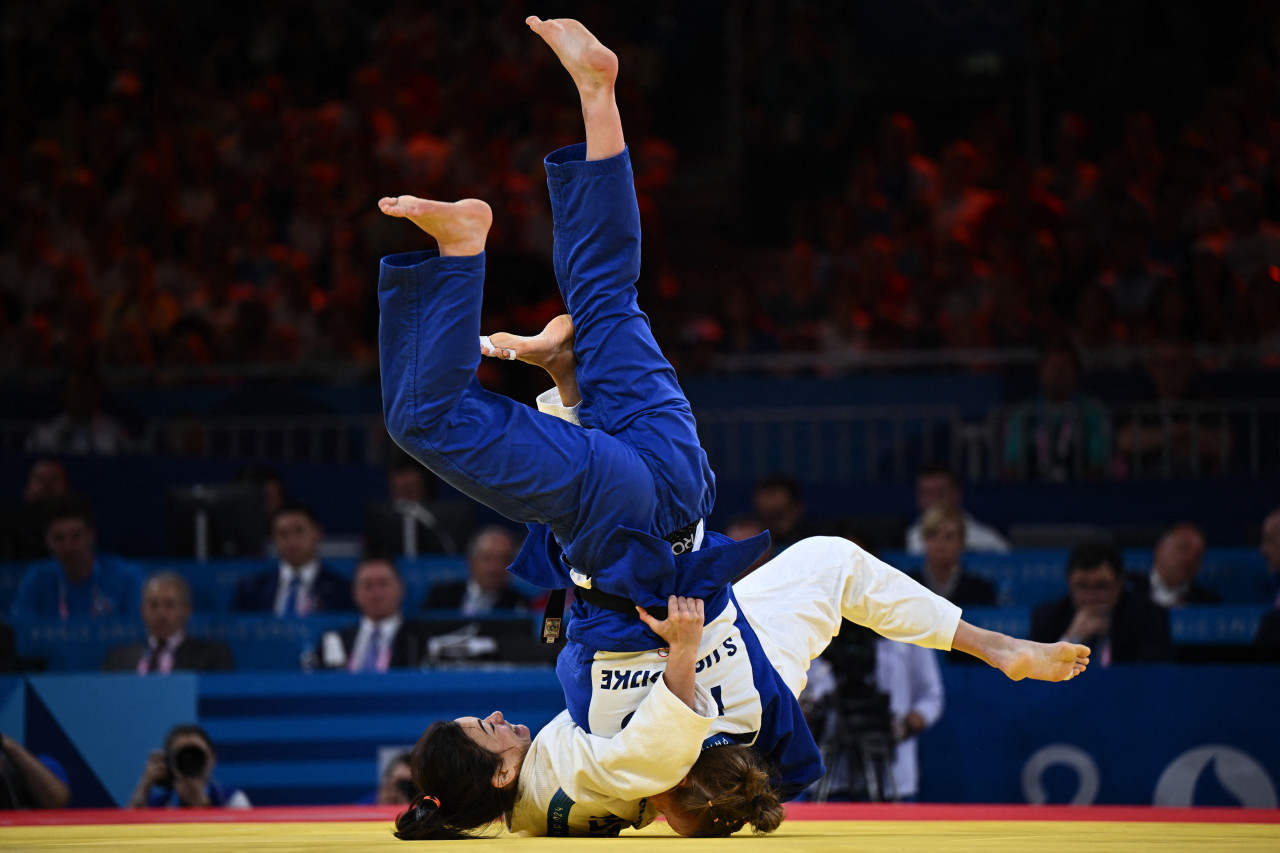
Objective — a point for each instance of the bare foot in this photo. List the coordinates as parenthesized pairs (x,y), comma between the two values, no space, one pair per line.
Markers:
(1042,661)
(592,66)
(460,227)
(551,349)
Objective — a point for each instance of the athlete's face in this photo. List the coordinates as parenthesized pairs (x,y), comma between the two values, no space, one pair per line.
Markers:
(497,735)
(677,818)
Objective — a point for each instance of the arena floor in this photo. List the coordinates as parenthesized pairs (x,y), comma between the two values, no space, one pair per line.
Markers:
(863,828)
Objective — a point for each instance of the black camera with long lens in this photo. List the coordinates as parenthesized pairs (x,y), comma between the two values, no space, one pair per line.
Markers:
(190,761)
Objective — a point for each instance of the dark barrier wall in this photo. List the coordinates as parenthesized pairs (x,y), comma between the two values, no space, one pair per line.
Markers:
(1158,735)
(1128,735)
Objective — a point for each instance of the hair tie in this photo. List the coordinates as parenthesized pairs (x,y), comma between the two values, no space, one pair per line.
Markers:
(427,798)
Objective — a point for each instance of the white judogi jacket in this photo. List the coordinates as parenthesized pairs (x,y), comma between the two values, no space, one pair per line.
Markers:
(574,783)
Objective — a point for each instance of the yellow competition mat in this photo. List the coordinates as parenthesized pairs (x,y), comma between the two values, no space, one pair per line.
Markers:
(242,833)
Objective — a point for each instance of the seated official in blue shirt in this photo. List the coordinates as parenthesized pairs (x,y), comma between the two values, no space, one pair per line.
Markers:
(76,582)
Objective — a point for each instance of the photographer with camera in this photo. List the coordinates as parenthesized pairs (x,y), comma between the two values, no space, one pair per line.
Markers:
(867,699)
(181,775)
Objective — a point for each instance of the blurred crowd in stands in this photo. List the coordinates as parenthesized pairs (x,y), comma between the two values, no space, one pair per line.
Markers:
(192,190)
(194,185)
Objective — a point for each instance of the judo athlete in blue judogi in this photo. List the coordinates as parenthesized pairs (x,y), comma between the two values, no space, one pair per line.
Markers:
(616,501)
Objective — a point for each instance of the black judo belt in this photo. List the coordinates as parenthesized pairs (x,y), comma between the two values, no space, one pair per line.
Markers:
(682,542)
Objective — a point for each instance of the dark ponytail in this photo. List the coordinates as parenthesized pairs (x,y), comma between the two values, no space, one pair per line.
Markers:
(729,788)
(455,775)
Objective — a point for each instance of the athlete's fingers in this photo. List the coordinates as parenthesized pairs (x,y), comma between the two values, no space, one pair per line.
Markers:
(647,619)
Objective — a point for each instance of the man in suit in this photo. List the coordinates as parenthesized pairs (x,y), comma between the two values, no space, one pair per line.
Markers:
(1174,567)
(942,528)
(489,553)
(166,609)
(1119,626)
(383,639)
(299,584)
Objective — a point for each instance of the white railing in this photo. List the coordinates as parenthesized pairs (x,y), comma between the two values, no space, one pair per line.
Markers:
(816,444)
(331,438)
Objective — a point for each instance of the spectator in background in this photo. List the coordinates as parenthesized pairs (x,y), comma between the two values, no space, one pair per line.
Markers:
(273,492)
(166,610)
(396,787)
(1270,548)
(30,781)
(943,531)
(181,775)
(1268,635)
(22,524)
(300,584)
(411,521)
(1164,436)
(1119,626)
(744,527)
(383,639)
(488,588)
(779,504)
(76,582)
(1175,565)
(1251,243)
(82,428)
(1062,434)
(407,480)
(937,485)
(274,496)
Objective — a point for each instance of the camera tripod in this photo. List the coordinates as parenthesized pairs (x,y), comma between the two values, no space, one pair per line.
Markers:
(860,749)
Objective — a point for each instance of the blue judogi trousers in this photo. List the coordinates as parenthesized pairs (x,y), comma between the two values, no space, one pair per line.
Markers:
(600,497)
(638,464)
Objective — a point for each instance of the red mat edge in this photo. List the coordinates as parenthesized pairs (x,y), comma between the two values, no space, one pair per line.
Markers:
(795,811)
